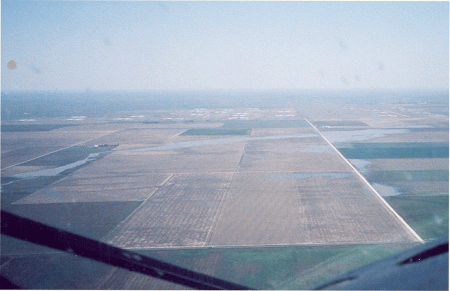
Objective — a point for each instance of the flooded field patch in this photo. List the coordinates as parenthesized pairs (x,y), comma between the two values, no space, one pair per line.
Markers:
(216,131)
(249,124)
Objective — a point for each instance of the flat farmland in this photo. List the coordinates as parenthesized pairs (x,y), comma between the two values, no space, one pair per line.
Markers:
(179,214)
(346,211)
(96,189)
(294,162)
(18,147)
(291,155)
(138,137)
(217,158)
(282,185)
(257,211)
(314,210)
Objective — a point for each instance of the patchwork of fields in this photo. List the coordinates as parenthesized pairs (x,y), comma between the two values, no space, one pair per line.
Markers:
(288,189)
(204,191)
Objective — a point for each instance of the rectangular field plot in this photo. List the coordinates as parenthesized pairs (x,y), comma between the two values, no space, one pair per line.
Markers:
(292,161)
(327,209)
(180,213)
(96,189)
(257,211)
(346,211)
(141,136)
(215,158)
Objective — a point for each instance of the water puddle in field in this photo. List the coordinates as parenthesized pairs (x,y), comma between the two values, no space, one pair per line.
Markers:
(384,190)
(220,141)
(169,146)
(360,135)
(361,165)
(53,171)
(323,148)
(302,176)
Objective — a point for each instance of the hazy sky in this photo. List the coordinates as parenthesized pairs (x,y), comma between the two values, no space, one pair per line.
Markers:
(125,45)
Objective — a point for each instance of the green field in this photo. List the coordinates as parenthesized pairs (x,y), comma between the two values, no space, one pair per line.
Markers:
(283,267)
(216,131)
(427,215)
(395,150)
(407,176)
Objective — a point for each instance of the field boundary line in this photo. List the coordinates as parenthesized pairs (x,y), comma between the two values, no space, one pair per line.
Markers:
(418,238)
(219,210)
(242,158)
(156,188)
(59,150)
